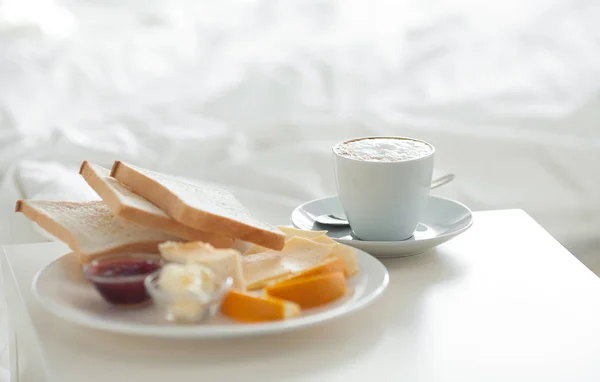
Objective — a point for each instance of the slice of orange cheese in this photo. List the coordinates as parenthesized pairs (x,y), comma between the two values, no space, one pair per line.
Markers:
(329,265)
(250,308)
(311,291)
(342,251)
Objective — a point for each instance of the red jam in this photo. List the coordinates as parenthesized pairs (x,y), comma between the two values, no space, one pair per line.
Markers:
(120,280)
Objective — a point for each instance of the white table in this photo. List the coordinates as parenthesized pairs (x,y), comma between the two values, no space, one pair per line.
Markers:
(503,302)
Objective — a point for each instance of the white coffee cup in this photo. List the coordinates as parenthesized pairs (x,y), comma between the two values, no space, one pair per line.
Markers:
(383,200)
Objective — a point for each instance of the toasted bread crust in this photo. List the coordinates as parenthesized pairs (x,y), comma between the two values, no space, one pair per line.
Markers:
(166,200)
(147,218)
(101,188)
(48,224)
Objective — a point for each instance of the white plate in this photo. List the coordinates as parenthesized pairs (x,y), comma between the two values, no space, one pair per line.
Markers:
(62,289)
(443,220)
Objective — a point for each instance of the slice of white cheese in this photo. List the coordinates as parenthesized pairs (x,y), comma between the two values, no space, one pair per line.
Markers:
(254,249)
(294,232)
(317,236)
(261,268)
(300,253)
(348,255)
(323,239)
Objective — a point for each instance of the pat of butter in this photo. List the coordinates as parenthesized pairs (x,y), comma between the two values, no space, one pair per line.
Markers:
(182,279)
(186,310)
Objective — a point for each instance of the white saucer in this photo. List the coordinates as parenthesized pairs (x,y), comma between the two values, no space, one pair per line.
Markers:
(443,220)
(62,289)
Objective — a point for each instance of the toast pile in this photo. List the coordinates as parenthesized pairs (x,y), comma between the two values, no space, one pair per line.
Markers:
(141,209)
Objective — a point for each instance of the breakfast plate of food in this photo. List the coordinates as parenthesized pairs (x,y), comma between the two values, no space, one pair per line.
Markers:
(66,293)
(160,257)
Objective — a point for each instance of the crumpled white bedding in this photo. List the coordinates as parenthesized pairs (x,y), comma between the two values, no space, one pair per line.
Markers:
(253,94)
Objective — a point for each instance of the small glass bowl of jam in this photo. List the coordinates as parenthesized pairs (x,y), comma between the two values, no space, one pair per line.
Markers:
(187,308)
(120,278)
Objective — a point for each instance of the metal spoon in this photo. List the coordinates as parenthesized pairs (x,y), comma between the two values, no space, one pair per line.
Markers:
(340,219)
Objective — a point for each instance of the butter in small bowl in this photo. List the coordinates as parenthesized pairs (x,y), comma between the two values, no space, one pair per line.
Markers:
(187,293)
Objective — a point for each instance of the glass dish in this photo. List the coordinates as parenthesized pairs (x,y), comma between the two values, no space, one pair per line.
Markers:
(120,278)
(188,308)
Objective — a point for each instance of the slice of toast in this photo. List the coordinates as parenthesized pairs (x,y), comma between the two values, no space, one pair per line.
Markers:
(128,205)
(204,206)
(90,228)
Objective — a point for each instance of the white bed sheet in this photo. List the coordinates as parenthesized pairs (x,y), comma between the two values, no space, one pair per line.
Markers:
(252,94)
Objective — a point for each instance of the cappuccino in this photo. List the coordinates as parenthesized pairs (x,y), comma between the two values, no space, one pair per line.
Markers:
(383,149)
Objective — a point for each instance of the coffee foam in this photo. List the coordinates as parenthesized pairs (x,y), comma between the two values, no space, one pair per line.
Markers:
(383,149)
